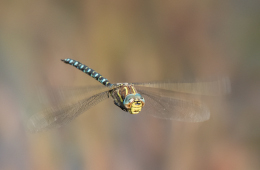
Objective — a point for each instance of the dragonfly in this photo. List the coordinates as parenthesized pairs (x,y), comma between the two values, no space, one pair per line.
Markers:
(166,100)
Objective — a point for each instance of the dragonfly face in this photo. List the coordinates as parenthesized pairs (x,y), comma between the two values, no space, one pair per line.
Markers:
(134,103)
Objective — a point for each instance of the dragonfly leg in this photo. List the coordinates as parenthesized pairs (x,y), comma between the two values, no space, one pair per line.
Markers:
(124,109)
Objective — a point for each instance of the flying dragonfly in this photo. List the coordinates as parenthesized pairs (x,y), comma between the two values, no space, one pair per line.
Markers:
(167,100)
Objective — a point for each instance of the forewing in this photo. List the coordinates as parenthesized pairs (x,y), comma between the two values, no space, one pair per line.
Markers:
(62,114)
(211,88)
(56,95)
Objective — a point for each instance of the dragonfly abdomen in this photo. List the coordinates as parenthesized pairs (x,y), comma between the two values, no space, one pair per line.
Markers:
(88,71)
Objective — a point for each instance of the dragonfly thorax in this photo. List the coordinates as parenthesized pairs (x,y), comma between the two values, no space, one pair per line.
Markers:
(126,97)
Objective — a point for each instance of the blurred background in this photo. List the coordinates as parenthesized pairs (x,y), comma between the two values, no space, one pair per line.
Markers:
(130,41)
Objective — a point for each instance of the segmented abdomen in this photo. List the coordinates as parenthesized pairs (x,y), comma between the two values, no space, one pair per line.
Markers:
(88,71)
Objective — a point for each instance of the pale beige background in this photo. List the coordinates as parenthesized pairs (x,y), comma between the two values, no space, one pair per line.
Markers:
(130,41)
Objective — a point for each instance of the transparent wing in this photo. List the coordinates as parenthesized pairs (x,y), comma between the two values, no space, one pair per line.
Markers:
(211,88)
(62,114)
(175,106)
(60,94)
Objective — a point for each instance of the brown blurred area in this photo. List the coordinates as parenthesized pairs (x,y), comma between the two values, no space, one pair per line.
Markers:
(130,41)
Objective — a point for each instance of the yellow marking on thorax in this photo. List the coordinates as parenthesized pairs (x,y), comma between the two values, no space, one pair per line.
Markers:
(126,91)
(133,89)
(119,96)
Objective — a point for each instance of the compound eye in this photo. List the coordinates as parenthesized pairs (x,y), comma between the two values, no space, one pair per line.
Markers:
(131,100)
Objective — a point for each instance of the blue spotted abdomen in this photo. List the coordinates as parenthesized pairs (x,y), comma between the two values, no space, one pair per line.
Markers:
(88,71)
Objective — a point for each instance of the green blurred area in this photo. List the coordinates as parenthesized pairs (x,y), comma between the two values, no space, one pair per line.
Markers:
(130,41)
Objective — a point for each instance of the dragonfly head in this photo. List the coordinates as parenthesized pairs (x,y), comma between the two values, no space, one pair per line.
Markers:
(134,103)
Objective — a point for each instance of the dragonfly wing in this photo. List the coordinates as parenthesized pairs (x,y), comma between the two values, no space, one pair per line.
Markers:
(210,88)
(176,107)
(62,114)
(60,94)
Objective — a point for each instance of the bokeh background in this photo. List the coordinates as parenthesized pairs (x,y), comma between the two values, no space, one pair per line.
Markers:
(130,41)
